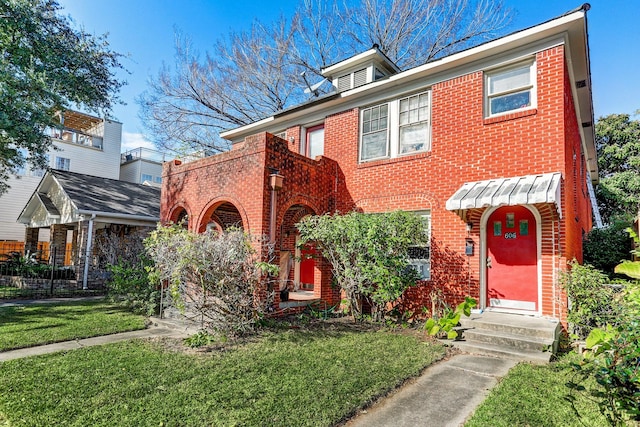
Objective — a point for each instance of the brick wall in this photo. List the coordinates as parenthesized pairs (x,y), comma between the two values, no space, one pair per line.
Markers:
(465,147)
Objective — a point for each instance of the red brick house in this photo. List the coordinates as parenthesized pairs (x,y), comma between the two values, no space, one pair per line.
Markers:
(494,145)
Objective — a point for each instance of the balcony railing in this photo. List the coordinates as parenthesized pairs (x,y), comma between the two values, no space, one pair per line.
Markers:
(73,136)
(142,154)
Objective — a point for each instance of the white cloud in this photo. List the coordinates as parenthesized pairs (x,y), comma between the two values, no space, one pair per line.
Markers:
(132,140)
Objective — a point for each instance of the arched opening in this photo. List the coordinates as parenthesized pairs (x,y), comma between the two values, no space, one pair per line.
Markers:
(221,217)
(299,266)
(180,216)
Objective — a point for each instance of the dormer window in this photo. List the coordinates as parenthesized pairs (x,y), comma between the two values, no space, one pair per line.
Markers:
(352,80)
(360,70)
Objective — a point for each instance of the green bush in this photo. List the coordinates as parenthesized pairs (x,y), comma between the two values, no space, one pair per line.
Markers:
(129,284)
(614,362)
(604,248)
(592,302)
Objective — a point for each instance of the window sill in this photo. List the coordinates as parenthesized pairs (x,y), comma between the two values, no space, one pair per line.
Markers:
(403,158)
(510,116)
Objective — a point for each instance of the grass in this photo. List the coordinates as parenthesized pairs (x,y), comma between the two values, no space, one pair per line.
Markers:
(302,378)
(31,325)
(532,395)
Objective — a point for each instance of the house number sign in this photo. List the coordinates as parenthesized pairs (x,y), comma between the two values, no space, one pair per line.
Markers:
(509,235)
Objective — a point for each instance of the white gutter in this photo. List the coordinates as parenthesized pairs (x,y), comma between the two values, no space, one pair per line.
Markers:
(119,215)
(87,256)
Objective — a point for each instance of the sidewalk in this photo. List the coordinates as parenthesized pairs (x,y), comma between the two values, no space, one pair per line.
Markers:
(445,395)
(154,331)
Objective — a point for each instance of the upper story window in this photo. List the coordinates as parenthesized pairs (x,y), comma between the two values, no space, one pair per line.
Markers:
(62,163)
(146,177)
(415,116)
(313,144)
(510,88)
(398,127)
(374,131)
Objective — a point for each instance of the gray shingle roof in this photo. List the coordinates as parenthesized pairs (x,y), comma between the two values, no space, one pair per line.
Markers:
(95,194)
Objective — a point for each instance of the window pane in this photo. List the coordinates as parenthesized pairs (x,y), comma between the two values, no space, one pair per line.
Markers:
(316,143)
(404,118)
(423,113)
(366,127)
(509,80)
(375,113)
(424,100)
(414,138)
(413,102)
(510,102)
(366,116)
(404,105)
(374,126)
(383,110)
(413,116)
(374,145)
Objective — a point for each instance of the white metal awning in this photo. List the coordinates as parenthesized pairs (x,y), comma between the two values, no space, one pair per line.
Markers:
(522,190)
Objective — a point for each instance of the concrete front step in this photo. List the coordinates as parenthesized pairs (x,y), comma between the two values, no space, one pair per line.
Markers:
(515,336)
(494,350)
(514,324)
(507,339)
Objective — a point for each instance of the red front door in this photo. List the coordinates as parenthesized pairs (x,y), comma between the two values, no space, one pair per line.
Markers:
(512,259)
(307,267)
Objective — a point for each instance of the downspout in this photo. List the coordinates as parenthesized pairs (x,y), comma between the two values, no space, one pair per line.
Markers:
(87,255)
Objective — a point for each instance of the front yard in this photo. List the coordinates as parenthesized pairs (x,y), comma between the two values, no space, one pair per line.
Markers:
(284,378)
(31,325)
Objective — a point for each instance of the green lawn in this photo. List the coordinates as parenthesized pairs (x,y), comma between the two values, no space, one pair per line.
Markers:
(532,396)
(30,325)
(286,378)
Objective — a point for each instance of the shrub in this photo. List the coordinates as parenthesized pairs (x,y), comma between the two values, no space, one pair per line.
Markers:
(217,276)
(130,285)
(592,303)
(124,258)
(368,254)
(614,362)
(604,248)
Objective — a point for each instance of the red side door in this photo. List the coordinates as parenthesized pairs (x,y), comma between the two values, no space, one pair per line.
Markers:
(307,267)
(512,259)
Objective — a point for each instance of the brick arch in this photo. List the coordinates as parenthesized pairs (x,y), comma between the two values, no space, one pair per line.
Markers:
(297,201)
(178,212)
(209,213)
(406,202)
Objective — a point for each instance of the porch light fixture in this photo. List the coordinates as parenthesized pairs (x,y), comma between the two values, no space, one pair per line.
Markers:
(275,181)
(469,227)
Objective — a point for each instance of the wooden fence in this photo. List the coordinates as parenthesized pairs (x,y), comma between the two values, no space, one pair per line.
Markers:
(42,255)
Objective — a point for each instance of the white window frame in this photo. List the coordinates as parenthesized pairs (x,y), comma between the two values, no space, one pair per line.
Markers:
(421,120)
(364,134)
(63,163)
(304,140)
(531,87)
(393,148)
(423,265)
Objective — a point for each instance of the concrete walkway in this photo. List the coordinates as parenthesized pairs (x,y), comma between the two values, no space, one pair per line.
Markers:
(153,331)
(445,395)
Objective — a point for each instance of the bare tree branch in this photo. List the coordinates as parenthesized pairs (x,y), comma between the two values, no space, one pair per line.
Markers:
(251,74)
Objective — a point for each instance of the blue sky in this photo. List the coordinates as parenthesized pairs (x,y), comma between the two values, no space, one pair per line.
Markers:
(144,30)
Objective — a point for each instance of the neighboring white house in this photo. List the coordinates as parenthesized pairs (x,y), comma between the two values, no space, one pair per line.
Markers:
(86,144)
(142,166)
